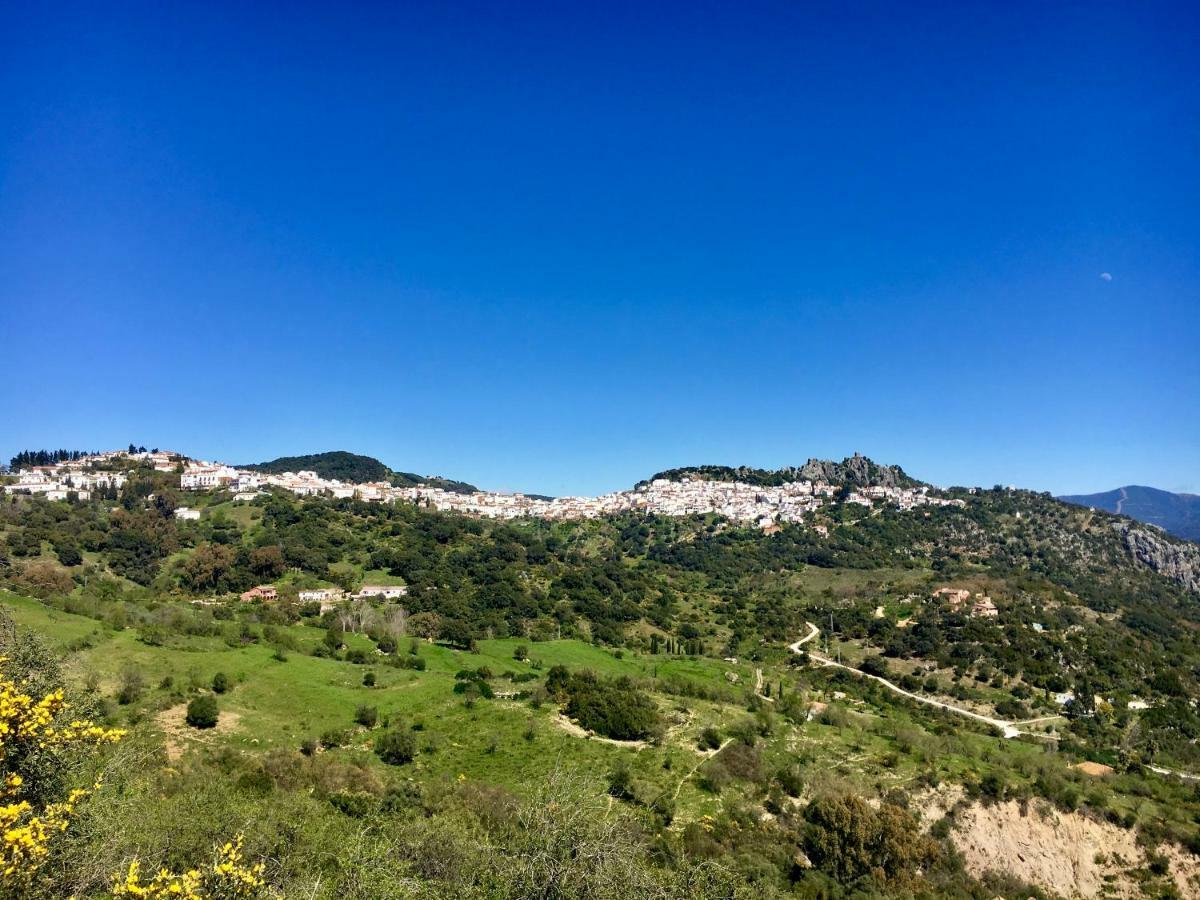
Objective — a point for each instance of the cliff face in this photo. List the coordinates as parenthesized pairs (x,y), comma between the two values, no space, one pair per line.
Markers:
(1177,560)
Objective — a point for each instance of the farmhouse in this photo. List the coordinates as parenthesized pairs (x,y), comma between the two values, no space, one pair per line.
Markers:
(386,591)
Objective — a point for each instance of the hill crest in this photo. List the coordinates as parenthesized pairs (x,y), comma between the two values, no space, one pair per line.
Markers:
(856,470)
(354,468)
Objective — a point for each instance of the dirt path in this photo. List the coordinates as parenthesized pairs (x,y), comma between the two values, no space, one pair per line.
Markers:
(758,686)
(1121,500)
(696,768)
(1184,775)
(1006,728)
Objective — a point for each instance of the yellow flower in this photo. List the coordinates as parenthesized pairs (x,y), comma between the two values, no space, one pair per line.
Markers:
(26,724)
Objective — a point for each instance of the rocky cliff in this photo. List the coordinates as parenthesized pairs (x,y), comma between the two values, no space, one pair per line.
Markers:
(1171,558)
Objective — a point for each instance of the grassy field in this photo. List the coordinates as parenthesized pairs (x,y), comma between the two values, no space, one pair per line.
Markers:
(867,740)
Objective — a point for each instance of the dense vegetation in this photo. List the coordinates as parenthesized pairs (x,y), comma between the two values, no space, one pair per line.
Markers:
(354,468)
(376,744)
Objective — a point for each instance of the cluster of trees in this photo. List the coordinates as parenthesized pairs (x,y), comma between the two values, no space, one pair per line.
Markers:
(612,707)
(27,458)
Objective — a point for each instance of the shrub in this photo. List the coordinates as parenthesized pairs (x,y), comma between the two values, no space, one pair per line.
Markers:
(220,683)
(332,738)
(202,711)
(396,746)
(791,780)
(620,780)
(367,716)
(132,685)
(369,679)
(355,804)
(710,739)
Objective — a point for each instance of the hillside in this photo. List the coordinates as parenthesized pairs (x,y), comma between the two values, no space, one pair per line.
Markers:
(856,470)
(1177,514)
(354,468)
(679,706)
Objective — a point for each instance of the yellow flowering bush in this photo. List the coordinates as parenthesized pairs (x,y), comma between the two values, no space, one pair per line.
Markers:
(225,879)
(29,726)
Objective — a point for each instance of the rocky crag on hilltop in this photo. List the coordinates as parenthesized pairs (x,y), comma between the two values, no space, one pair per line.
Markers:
(856,470)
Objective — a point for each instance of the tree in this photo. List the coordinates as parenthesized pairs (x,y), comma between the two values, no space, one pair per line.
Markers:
(209,567)
(202,711)
(267,562)
(848,839)
(44,578)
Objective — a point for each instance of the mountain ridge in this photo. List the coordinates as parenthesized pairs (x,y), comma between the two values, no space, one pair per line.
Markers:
(1176,514)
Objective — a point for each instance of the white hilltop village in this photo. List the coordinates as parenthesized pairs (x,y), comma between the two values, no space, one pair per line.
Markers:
(764,506)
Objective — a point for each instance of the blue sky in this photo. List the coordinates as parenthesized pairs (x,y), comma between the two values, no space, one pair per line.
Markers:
(546,248)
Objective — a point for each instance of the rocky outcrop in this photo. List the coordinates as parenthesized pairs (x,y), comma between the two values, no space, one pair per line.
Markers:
(856,470)
(1171,558)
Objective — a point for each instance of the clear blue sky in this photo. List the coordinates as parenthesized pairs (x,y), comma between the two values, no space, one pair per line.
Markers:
(546,248)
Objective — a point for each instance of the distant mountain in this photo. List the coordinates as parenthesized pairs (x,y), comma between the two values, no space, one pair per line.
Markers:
(856,470)
(1177,514)
(355,468)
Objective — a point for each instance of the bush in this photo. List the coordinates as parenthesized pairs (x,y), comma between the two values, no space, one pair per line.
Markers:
(369,679)
(132,685)
(396,747)
(334,737)
(791,780)
(355,804)
(367,716)
(620,780)
(710,739)
(220,683)
(202,711)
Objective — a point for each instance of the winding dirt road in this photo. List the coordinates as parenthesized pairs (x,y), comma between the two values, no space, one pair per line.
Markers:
(1005,727)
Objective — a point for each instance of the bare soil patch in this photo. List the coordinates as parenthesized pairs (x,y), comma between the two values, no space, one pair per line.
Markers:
(177,733)
(1070,854)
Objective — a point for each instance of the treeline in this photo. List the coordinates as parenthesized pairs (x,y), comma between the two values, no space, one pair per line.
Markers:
(27,458)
